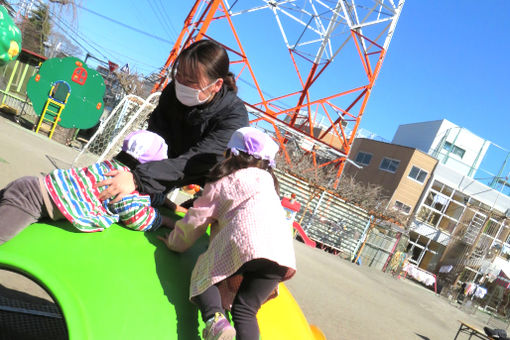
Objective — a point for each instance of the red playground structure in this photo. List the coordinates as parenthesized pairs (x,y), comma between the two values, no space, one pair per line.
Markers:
(292,207)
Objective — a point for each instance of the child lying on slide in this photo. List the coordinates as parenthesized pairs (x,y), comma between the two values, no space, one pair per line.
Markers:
(71,194)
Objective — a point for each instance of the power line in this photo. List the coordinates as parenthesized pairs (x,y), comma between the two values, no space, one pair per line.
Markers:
(66,27)
(168,19)
(98,48)
(138,10)
(69,28)
(159,17)
(130,58)
(124,25)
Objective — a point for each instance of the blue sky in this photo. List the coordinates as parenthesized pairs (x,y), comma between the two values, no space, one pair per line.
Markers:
(447,59)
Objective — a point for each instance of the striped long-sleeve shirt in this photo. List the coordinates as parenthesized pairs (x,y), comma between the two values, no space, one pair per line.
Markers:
(74,194)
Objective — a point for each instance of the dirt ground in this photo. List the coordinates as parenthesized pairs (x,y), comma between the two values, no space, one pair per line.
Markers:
(346,301)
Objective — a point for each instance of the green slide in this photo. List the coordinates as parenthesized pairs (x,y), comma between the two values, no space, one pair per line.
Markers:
(123,284)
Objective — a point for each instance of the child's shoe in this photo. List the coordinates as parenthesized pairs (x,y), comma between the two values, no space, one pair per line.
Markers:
(218,328)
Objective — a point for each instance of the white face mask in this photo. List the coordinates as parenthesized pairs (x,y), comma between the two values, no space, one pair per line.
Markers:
(188,95)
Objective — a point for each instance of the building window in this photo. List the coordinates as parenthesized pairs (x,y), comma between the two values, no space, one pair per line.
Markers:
(436,201)
(418,174)
(442,188)
(442,209)
(363,158)
(402,207)
(454,149)
(388,164)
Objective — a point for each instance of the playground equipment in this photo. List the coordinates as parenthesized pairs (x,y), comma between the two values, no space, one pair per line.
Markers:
(57,99)
(308,241)
(10,38)
(336,49)
(69,92)
(121,284)
(292,207)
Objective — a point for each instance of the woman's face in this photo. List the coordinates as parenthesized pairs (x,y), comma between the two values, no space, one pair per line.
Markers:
(200,81)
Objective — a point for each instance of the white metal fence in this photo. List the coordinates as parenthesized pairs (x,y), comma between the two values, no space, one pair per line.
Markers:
(130,114)
(336,225)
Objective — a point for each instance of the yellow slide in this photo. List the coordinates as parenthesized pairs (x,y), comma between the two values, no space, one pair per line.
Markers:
(281,318)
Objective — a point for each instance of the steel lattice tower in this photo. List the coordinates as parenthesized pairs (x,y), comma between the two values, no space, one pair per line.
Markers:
(322,113)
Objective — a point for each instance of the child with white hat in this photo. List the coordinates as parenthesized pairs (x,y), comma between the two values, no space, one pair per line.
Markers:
(71,194)
(251,248)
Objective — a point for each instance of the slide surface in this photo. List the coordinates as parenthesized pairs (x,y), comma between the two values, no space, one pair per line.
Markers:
(303,235)
(123,284)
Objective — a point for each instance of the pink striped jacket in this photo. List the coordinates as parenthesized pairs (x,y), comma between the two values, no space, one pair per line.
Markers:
(248,223)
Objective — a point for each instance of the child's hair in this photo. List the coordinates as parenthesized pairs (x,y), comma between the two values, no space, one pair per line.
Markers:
(233,163)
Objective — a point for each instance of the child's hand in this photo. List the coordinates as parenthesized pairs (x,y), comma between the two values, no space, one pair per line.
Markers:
(164,239)
(167,222)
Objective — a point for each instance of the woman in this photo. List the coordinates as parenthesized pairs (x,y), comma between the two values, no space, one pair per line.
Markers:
(197,114)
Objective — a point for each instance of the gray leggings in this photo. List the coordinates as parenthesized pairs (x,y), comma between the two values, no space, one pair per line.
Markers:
(21,204)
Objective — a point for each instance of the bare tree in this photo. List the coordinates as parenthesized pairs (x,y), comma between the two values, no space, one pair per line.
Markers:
(299,163)
(131,83)
(67,5)
(61,46)
(367,196)
(8,7)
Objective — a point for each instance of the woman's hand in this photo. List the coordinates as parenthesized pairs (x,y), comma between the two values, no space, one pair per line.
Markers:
(121,184)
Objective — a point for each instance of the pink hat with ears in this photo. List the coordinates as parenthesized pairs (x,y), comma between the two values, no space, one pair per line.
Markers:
(145,146)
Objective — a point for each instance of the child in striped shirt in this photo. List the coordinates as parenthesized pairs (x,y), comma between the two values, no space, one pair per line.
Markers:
(71,194)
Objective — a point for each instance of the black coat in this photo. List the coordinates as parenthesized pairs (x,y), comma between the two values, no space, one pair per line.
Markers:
(196,136)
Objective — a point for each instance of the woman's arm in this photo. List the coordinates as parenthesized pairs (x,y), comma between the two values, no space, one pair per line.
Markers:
(198,160)
(122,183)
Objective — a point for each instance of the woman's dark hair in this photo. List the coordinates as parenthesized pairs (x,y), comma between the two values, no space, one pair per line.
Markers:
(209,56)
(233,163)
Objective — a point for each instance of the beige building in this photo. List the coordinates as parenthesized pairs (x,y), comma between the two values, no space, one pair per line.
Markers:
(402,171)
(456,223)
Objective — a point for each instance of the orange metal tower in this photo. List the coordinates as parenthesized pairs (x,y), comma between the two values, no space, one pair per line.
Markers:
(322,112)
